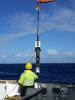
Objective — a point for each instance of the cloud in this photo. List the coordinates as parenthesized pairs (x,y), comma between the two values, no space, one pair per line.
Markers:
(50,55)
(70,53)
(8,37)
(19,57)
(57,56)
(23,23)
(61,19)
(2,56)
(24,55)
(52,52)
(19,25)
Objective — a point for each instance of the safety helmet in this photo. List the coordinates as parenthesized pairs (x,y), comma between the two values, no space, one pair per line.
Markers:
(28,66)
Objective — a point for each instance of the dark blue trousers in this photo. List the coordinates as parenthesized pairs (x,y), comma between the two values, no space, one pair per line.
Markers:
(23,90)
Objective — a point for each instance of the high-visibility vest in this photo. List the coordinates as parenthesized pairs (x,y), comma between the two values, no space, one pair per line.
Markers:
(27,78)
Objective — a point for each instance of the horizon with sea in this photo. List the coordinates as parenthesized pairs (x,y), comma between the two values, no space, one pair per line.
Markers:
(49,72)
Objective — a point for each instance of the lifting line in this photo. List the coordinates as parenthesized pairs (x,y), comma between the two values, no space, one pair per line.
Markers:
(37,42)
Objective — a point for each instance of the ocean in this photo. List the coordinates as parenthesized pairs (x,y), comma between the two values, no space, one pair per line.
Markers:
(49,72)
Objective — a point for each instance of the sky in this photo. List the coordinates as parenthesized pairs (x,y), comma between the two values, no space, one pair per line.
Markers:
(18,25)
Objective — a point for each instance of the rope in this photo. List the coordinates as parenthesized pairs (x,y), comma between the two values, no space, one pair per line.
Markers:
(30,60)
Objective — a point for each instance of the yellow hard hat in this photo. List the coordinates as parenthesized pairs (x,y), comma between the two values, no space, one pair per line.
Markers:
(28,66)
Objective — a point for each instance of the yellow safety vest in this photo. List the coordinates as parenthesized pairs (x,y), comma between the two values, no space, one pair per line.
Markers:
(27,78)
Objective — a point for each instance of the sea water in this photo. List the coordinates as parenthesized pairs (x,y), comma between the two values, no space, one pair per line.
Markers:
(49,72)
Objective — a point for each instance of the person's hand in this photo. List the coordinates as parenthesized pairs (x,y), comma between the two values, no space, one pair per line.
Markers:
(19,83)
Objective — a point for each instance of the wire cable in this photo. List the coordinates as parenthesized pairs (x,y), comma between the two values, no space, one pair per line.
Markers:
(38,13)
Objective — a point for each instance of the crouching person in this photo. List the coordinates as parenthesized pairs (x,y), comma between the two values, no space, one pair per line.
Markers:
(27,79)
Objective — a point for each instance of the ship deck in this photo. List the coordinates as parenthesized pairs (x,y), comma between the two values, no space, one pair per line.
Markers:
(52,91)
